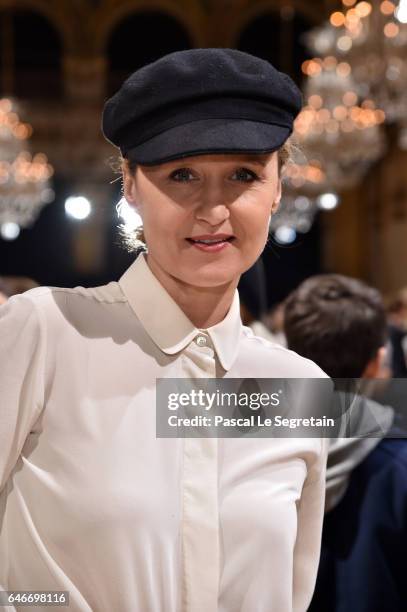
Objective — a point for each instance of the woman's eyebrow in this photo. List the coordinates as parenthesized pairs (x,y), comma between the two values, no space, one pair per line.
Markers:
(245,157)
(185,162)
(255,159)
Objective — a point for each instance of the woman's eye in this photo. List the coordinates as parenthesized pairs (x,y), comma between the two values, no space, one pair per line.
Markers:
(245,175)
(182,175)
(185,175)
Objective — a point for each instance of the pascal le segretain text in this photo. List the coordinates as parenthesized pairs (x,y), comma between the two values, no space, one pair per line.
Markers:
(254,420)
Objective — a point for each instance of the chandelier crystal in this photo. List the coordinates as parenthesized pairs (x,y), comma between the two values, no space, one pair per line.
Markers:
(24,178)
(372,38)
(355,84)
(337,129)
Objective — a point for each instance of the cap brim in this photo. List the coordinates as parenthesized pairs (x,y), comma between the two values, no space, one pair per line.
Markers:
(208,136)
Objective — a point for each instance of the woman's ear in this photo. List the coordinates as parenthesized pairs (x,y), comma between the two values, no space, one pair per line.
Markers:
(277,198)
(128,186)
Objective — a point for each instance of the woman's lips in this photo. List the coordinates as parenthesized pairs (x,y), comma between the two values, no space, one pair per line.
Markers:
(215,247)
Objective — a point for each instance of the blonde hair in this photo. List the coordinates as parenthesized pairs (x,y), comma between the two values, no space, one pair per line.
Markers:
(134,240)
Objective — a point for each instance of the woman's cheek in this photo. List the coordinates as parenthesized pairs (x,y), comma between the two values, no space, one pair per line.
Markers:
(257,198)
(258,211)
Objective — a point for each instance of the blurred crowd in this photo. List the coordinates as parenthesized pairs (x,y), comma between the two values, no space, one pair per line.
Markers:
(352,332)
(11,285)
(269,323)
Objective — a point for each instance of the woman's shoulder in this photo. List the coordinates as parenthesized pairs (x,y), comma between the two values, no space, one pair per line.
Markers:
(286,361)
(63,304)
(45,295)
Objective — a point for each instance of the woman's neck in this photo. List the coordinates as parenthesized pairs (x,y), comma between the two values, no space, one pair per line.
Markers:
(204,306)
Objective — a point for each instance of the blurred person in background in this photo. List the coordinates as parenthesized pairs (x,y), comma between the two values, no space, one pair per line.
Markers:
(396,308)
(274,321)
(4,291)
(340,323)
(253,299)
(12,285)
(253,305)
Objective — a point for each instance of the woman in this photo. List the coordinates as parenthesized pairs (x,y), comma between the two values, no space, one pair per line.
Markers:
(93,502)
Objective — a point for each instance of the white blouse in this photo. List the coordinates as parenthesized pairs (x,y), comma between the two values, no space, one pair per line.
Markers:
(93,503)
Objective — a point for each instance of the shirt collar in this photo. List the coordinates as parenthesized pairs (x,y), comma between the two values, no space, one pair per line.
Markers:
(165,322)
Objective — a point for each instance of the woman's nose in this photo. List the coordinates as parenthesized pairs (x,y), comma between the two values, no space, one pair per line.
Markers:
(213,207)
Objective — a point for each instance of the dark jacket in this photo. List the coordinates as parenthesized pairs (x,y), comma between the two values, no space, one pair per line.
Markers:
(363,565)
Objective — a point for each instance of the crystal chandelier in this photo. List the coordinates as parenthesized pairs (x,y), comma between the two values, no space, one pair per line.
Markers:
(372,38)
(302,182)
(356,82)
(24,178)
(339,132)
(294,216)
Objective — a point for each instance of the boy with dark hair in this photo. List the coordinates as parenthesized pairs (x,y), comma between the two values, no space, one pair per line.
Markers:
(340,323)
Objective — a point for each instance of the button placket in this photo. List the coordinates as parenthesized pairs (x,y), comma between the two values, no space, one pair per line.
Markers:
(200,526)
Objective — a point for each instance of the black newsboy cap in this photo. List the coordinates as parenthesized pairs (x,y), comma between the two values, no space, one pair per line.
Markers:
(201,101)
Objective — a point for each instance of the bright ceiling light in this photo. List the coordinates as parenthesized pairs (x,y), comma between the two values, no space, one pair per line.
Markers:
(285,234)
(401,12)
(9,230)
(328,201)
(78,207)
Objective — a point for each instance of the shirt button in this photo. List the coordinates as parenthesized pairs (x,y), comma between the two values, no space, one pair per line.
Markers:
(201,341)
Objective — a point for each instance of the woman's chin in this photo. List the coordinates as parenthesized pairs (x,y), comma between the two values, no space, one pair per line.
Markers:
(209,276)
(220,271)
